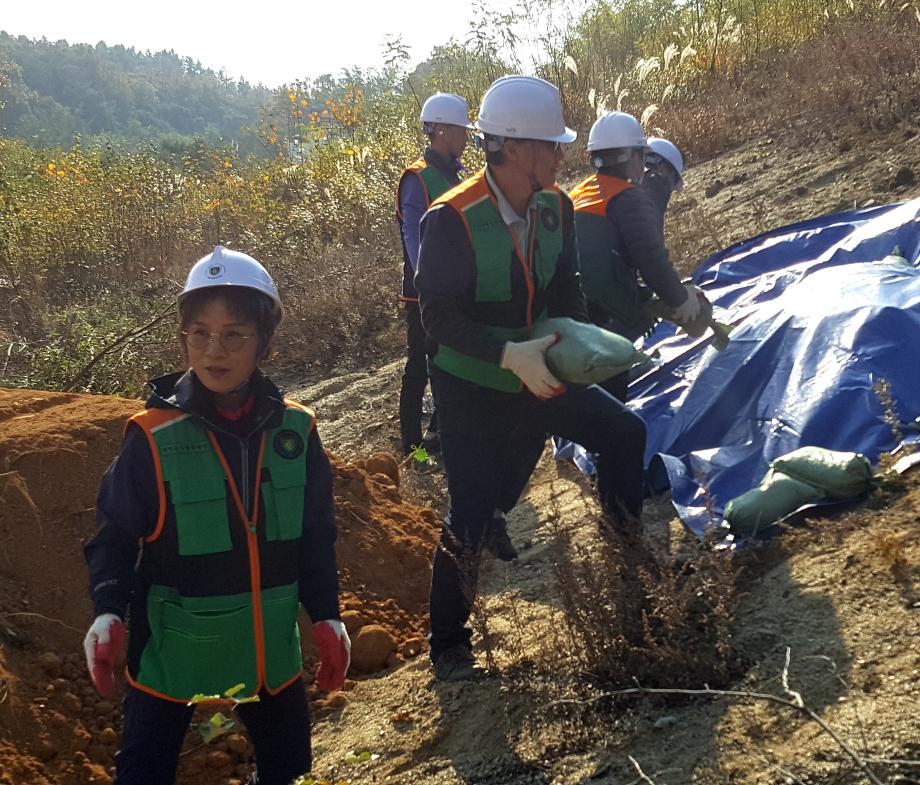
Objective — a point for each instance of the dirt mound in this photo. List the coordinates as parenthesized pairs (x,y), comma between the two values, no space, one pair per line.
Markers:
(53,450)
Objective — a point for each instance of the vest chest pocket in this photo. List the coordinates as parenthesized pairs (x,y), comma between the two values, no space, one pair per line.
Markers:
(283,500)
(549,239)
(200,505)
(495,254)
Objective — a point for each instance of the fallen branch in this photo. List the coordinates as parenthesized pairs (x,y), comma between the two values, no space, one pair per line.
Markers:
(643,777)
(39,616)
(793,703)
(190,750)
(126,339)
(893,762)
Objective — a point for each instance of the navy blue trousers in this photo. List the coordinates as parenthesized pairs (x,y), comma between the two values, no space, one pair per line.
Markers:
(414,381)
(154,729)
(491,442)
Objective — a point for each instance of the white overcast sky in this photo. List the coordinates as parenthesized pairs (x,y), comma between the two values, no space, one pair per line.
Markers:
(272,41)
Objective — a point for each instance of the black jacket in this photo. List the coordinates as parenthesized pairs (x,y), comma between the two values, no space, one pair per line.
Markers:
(640,242)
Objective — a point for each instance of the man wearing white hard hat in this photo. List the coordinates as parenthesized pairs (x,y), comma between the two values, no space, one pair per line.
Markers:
(498,254)
(446,123)
(621,247)
(664,173)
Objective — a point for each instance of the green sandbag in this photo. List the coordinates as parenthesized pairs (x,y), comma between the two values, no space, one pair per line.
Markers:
(778,495)
(841,475)
(586,353)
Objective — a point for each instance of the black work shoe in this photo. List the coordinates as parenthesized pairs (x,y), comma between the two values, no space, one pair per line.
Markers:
(457,664)
(497,540)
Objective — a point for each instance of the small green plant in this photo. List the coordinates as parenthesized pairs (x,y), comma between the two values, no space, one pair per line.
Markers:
(219,724)
(229,695)
(215,727)
(882,390)
(361,757)
(420,455)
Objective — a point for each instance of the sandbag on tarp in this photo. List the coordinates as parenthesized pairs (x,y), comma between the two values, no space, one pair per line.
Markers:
(586,353)
(820,315)
(841,475)
(777,495)
(804,476)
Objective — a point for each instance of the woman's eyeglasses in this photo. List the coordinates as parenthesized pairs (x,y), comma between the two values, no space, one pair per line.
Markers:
(231,341)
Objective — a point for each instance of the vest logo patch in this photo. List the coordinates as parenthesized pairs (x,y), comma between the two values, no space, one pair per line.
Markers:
(215,271)
(288,444)
(550,219)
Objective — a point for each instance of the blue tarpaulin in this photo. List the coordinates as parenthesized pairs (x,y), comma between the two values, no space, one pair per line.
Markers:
(820,317)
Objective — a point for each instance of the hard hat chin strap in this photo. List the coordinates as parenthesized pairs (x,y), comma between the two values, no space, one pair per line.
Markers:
(611,157)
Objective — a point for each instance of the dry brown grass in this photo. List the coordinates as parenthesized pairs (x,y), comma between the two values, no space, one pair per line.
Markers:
(862,75)
(635,615)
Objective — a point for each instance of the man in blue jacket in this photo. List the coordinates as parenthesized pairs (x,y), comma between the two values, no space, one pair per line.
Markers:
(446,123)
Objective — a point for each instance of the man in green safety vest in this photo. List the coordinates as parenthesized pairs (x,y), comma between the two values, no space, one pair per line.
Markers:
(498,254)
(621,250)
(446,123)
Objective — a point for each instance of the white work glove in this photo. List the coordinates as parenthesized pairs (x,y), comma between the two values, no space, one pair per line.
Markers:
(334,654)
(689,309)
(527,360)
(103,645)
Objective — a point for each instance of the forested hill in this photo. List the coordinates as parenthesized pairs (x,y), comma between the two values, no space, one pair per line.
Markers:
(50,91)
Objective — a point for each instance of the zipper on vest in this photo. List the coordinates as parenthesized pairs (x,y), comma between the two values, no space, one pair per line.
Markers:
(244,467)
(244,478)
(532,277)
(241,499)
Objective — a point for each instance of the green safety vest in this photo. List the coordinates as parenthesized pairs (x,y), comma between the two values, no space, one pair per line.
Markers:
(608,280)
(223,593)
(434,184)
(496,252)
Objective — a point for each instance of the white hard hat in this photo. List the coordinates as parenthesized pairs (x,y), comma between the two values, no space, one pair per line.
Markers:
(616,130)
(670,153)
(448,109)
(524,107)
(224,267)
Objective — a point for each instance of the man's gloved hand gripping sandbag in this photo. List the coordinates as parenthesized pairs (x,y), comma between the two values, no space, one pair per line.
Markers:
(334,654)
(698,325)
(526,360)
(586,353)
(689,309)
(104,644)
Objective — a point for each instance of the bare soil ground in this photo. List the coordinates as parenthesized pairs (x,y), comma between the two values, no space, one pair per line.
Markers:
(841,594)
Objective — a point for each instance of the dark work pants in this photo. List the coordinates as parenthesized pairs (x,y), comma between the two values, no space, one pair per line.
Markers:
(154,729)
(414,380)
(490,443)
(617,386)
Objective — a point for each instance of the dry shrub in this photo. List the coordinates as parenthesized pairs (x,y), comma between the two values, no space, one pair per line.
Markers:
(634,616)
(860,74)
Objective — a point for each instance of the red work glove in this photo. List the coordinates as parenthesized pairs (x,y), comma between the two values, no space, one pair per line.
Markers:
(104,644)
(334,654)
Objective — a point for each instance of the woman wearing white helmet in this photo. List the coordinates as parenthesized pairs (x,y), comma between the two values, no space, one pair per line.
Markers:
(227,486)
(621,248)
(498,253)
(446,123)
